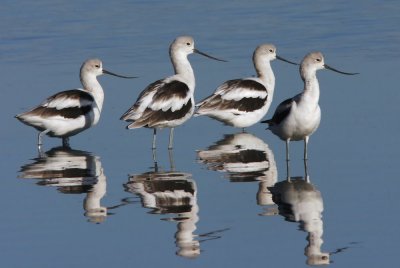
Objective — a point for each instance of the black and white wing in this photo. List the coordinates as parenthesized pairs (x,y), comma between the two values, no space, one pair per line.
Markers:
(162,101)
(69,104)
(239,95)
(281,112)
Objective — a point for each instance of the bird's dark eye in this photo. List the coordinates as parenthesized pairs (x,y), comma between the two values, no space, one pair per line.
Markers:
(271,50)
(318,60)
(97,66)
(188,43)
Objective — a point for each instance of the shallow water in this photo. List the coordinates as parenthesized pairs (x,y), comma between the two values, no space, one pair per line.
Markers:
(194,211)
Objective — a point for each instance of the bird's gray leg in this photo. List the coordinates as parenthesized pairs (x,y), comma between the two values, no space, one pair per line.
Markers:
(287,149)
(306,148)
(171,138)
(40,136)
(154,138)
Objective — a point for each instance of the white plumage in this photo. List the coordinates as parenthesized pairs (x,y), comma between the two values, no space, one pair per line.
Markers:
(244,102)
(168,102)
(68,113)
(298,118)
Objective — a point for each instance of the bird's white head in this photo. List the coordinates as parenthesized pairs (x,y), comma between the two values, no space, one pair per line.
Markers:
(265,52)
(180,48)
(92,67)
(313,62)
(182,44)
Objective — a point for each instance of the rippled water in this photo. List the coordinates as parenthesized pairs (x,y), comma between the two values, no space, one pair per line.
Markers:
(220,198)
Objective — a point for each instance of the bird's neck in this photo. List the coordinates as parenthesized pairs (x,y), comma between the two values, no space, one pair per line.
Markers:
(311,88)
(265,73)
(90,84)
(183,68)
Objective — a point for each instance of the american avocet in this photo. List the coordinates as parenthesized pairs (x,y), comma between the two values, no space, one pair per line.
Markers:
(298,117)
(167,102)
(243,102)
(69,112)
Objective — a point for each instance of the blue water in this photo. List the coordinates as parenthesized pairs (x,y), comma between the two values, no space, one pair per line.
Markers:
(224,216)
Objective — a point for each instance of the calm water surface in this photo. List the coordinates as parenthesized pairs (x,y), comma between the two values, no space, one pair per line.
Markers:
(220,198)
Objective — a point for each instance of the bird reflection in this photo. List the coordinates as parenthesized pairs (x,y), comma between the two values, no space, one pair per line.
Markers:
(245,158)
(171,192)
(298,200)
(72,172)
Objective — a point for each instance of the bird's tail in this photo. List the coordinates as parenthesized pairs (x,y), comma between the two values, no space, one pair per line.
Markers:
(269,122)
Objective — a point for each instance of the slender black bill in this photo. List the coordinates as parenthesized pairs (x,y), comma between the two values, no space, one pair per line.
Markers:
(285,60)
(332,69)
(208,56)
(117,75)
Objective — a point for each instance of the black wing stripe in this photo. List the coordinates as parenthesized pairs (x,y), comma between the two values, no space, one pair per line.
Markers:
(248,104)
(69,113)
(73,94)
(248,84)
(151,118)
(173,89)
(244,105)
